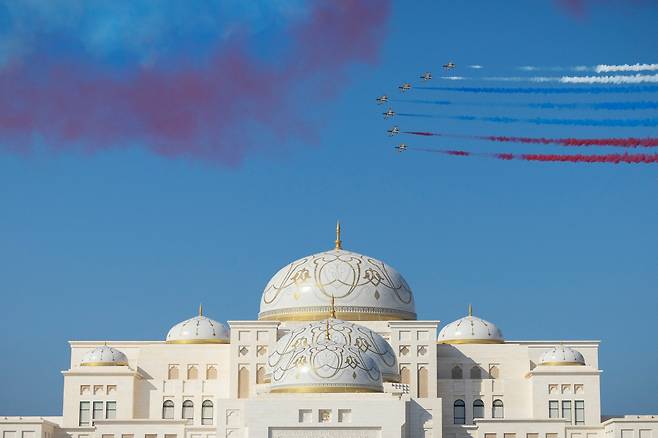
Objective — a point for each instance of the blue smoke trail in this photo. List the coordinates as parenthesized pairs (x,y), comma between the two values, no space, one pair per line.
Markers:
(571,122)
(613,106)
(543,121)
(551,90)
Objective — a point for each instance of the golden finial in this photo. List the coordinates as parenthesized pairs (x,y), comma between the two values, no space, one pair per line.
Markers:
(339,243)
(470,310)
(332,311)
(200,309)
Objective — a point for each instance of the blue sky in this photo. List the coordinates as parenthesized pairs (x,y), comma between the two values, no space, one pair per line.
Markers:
(123,241)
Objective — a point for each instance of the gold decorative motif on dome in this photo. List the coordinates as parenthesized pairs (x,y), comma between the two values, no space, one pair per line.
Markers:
(359,339)
(341,274)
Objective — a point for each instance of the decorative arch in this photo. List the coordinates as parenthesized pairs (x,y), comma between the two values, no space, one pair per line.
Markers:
(172,373)
(192,372)
(476,372)
(188,410)
(405,375)
(457,372)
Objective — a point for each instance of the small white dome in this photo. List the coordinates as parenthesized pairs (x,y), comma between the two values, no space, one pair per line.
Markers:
(104,356)
(198,330)
(345,333)
(470,330)
(325,367)
(562,356)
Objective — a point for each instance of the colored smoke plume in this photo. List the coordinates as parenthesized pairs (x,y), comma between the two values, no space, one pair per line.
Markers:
(547,90)
(604,68)
(630,79)
(207,111)
(629,142)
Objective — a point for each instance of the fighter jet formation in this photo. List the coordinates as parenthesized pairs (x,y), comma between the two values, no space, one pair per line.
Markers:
(406,86)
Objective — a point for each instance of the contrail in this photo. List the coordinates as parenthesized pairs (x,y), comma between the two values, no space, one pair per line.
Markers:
(605,68)
(617,79)
(575,158)
(547,90)
(629,142)
(611,106)
(649,122)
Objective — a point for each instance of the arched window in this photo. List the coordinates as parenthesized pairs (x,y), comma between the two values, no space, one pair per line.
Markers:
(497,409)
(211,373)
(206,412)
(243,382)
(188,410)
(192,372)
(173,372)
(260,375)
(457,372)
(478,409)
(476,372)
(494,372)
(168,410)
(405,375)
(459,408)
(423,382)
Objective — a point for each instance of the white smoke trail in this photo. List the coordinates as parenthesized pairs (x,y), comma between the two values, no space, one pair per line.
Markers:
(453,78)
(555,68)
(631,79)
(475,66)
(604,68)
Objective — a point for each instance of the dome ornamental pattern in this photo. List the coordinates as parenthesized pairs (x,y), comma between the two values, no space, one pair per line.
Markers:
(364,288)
(198,330)
(470,330)
(345,333)
(322,368)
(562,356)
(104,356)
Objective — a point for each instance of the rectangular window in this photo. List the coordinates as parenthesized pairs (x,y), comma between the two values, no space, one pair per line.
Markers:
(107,435)
(551,435)
(98,410)
(151,435)
(127,435)
(111,410)
(170,435)
(566,410)
(489,435)
(579,406)
(84,414)
(531,435)
(553,409)
(509,435)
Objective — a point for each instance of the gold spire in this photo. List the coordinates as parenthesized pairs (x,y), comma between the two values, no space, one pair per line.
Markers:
(470,310)
(339,243)
(200,309)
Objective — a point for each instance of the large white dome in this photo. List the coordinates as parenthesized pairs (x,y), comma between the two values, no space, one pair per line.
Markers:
(341,332)
(364,289)
(323,367)
(470,330)
(562,356)
(198,330)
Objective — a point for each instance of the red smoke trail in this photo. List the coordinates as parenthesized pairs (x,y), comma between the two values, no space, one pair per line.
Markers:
(576,158)
(630,142)
(219,110)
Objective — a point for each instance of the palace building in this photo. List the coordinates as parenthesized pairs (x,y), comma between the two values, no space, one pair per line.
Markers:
(336,352)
